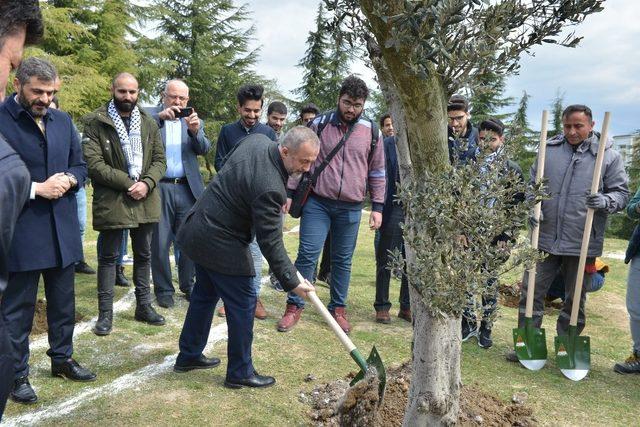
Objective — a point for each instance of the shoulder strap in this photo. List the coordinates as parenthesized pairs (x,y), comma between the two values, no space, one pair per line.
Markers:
(375,133)
(326,160)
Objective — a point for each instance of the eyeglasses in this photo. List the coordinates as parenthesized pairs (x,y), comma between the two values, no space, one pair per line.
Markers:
(489,139)
(456,118)
(349,105)
(178,97)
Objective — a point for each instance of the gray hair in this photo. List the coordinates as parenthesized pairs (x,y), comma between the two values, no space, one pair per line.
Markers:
(36,67)
(175,81)
(297,136)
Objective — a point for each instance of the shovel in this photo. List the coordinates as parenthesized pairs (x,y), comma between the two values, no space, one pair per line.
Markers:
(372,363)
(530,342)
(573,352)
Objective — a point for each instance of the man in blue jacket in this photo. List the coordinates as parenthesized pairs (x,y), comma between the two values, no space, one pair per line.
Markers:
(463,136)
(46,240)
(183,139)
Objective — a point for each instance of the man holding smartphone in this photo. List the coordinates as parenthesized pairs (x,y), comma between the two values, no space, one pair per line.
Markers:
(183,138)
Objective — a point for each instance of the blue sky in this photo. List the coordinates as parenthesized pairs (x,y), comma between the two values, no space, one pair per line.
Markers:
(602,72)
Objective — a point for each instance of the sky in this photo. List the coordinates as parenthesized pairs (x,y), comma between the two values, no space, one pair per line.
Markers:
(603,72)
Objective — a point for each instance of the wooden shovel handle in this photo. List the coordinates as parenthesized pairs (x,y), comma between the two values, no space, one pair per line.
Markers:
(542,151)
(586,235)
(344,339)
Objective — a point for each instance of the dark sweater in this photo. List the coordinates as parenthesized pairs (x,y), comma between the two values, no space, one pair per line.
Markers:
(232,133)
(247,194)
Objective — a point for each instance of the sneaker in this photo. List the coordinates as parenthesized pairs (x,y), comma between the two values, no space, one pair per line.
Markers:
(382,316)
(127,260)
(629,366)
(221,312)
(468,331)
(275,283)
(290,318)
(340,314)
(261,312)
(83,268)
(484,337)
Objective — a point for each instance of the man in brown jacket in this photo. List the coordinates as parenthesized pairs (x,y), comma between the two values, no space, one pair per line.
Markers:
(125,157)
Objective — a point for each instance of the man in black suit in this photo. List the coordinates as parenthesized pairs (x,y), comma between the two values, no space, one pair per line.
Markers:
(245,198)
(183,139)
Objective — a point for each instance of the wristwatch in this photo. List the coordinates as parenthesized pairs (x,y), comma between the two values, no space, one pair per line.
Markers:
(72,178)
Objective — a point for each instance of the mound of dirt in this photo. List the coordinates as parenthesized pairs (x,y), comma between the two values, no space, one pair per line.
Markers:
(40,318)
(335,404)
(509,294)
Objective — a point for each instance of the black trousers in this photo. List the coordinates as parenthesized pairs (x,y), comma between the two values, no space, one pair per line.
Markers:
(388,239)
(110,250)
(6,366)
(18,308)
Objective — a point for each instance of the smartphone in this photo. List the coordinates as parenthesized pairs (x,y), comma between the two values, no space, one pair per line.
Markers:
(184,112)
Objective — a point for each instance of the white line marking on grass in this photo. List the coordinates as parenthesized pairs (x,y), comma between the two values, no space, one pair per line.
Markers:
(614,255)
(122,304)
(134,379)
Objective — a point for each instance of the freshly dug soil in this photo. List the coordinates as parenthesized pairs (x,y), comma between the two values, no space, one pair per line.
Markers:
(509,296)
(336,404)
(40,318)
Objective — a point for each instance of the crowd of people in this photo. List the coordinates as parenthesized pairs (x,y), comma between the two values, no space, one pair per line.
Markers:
(143,166)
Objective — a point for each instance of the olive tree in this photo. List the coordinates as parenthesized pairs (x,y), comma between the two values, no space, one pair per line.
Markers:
(422,52)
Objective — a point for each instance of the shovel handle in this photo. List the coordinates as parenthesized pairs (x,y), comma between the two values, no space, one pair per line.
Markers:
(586,235)
(531,275)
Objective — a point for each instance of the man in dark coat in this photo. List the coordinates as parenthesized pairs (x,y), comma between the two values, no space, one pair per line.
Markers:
(22,25)
(246,198)
(46,241)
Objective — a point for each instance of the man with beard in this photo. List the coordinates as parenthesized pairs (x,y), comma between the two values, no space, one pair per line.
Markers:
(126,162)
(46,240)
(242,204)
(463,136)
(337,199)
(276,116)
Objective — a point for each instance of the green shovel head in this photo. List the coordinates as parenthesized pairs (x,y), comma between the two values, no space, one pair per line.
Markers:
(530,344)
(573,354)
(374,367)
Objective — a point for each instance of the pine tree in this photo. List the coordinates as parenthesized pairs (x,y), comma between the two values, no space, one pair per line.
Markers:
(487,97)
(520,138)
(557,108)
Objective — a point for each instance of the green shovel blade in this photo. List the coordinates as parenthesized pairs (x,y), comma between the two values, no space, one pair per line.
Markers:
(530,345)
(373,361)
(573,354)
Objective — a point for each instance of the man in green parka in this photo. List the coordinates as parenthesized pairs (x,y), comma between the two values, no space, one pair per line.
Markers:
(126,161)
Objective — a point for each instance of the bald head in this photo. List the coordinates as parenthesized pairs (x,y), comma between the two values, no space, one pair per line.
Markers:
(123,77)
(125,93)
(176,93)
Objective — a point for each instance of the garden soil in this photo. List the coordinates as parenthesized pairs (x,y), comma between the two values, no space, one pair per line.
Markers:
(40,318)
(336,404)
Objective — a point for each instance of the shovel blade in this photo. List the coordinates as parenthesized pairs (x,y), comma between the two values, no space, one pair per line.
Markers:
(573,354)
(530,345)
(374,361)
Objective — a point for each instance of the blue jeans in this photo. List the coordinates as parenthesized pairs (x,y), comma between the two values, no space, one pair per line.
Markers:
(81,201)
(320,215)
(257,265)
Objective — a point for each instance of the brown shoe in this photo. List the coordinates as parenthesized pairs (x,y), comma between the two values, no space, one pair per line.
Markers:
(382,316)
(261,313)
(340,314)
(221,312)
(290,318)
(405,314)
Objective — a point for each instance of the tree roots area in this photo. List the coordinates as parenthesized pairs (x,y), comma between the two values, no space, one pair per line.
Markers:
(337,404)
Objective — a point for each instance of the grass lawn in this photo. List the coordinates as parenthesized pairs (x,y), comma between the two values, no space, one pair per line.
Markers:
(136,386)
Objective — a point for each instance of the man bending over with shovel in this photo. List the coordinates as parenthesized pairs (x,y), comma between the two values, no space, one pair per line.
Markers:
(246,196)
(569,169)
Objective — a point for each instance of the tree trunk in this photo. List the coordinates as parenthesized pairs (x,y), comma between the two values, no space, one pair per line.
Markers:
(418,108)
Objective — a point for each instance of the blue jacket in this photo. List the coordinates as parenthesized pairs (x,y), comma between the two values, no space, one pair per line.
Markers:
(47,234)
(393,177)
(192,146)
(232,133)
(464,148)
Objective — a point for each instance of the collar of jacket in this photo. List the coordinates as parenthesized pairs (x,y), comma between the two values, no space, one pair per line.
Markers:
(16,109)
(101,115)
(334,119)
(591,143)
(276,158)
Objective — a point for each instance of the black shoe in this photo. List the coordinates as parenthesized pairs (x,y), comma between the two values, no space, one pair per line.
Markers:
(468,331)
(484,337)
(165,301)
(71,370)
(23,392)
(146,313)
(629,366)
(256,381)
(83,268)
(121,280)
(104,323)
(200,363)
(275,283)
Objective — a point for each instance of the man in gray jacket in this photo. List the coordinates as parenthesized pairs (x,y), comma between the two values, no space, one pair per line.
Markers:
(569,167)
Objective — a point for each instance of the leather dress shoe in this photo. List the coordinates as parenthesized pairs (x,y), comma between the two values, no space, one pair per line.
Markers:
(165,301)
(146,313)
(382,316)
(256,381)
(71,370)
(187,295)
(201,362)
(23,392)
(84,268)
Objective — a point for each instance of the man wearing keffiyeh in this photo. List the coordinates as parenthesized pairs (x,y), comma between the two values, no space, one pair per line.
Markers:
(126,161)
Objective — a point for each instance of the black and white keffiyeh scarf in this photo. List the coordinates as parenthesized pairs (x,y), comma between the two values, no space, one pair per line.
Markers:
(131,141)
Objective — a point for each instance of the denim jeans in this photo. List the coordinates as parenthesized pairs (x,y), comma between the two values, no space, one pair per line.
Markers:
(633,300)
(257,265)
(81,201)
(319,216)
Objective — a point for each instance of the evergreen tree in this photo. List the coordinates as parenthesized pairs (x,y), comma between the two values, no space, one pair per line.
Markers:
(487,97)
(520,138)
(557,108)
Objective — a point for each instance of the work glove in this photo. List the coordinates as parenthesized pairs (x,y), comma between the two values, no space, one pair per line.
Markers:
(533,222)
(597,201)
